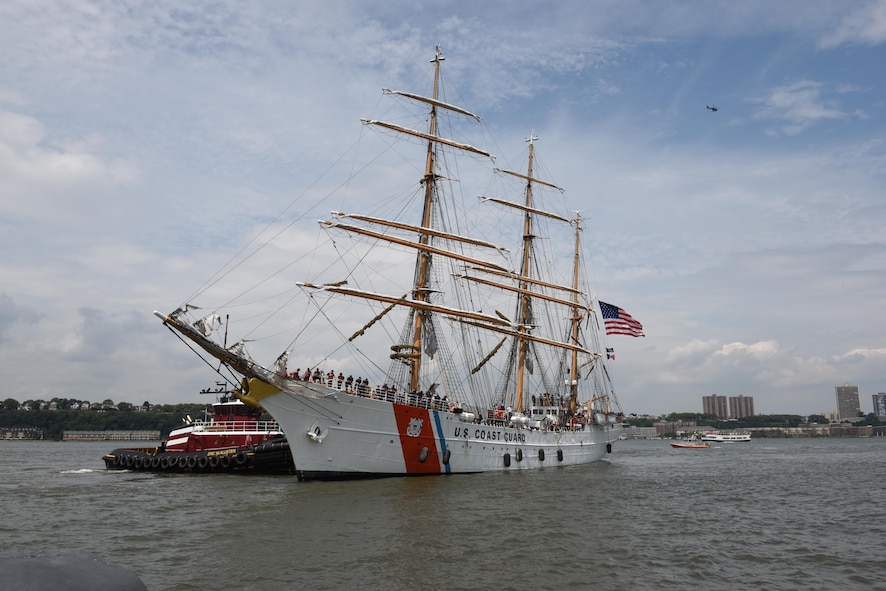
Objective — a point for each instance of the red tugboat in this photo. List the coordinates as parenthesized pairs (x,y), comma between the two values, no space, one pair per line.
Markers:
(232,438)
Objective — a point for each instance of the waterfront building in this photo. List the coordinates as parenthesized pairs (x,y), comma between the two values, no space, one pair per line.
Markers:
(848,405)
(741,406)
(715,405)
(880,405)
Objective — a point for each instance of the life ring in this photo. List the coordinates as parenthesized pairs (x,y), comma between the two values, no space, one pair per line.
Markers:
(500,414)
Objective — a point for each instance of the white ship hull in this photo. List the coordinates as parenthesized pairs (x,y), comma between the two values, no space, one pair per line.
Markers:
(334,435)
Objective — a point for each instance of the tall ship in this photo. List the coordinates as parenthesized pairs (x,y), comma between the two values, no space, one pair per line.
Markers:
(479,309)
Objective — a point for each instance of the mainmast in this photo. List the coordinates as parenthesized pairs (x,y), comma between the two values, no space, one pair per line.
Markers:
(525,310)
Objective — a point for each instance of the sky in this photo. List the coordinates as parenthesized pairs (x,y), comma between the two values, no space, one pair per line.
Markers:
(142,143)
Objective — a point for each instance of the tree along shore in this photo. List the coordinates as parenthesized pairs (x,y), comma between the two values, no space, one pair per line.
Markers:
(55,422)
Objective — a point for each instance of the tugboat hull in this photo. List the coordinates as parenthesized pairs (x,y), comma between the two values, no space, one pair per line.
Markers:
(268,457)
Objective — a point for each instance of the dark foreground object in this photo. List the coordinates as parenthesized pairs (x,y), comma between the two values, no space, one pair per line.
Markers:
(63,570)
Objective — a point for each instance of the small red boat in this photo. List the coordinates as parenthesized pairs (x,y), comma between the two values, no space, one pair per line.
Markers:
(231,438)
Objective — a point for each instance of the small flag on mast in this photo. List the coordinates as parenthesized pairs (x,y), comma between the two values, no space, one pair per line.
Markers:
(610,353)
(617,321)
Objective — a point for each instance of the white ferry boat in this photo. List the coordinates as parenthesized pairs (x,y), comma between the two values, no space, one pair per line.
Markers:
(726,437)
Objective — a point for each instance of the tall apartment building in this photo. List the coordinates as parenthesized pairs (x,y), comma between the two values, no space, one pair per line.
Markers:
(715,405)
(741,406)
(880,405)
(848,405)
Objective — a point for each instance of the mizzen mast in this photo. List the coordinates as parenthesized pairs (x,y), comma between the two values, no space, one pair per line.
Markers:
(577,317)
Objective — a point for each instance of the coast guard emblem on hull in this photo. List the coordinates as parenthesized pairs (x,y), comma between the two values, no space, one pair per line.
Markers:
(414,428)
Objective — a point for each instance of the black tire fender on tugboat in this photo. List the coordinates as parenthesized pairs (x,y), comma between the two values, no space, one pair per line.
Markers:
(192,462)
(240,458)
(226,462)
(202,462)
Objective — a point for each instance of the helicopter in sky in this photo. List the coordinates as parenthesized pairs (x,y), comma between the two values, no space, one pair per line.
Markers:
(712,108)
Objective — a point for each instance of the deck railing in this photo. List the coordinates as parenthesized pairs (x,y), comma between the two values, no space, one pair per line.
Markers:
(227,426)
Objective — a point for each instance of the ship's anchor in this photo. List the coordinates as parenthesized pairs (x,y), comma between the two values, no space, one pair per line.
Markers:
(315,434)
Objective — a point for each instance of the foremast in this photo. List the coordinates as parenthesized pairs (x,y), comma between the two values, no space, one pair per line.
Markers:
(411,353)
(423,260)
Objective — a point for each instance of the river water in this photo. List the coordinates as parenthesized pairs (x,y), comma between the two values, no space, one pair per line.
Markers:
(771,514)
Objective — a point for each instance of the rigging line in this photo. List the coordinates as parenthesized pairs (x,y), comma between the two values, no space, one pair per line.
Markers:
(269,316)
(200,353)
(221,273)
(343,340)
(290,300)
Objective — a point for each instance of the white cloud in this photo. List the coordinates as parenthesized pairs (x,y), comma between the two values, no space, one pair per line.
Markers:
(738,351)
(800,103)
(866,25)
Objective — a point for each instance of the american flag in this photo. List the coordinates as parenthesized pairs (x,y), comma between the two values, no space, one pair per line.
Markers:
(617,321)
